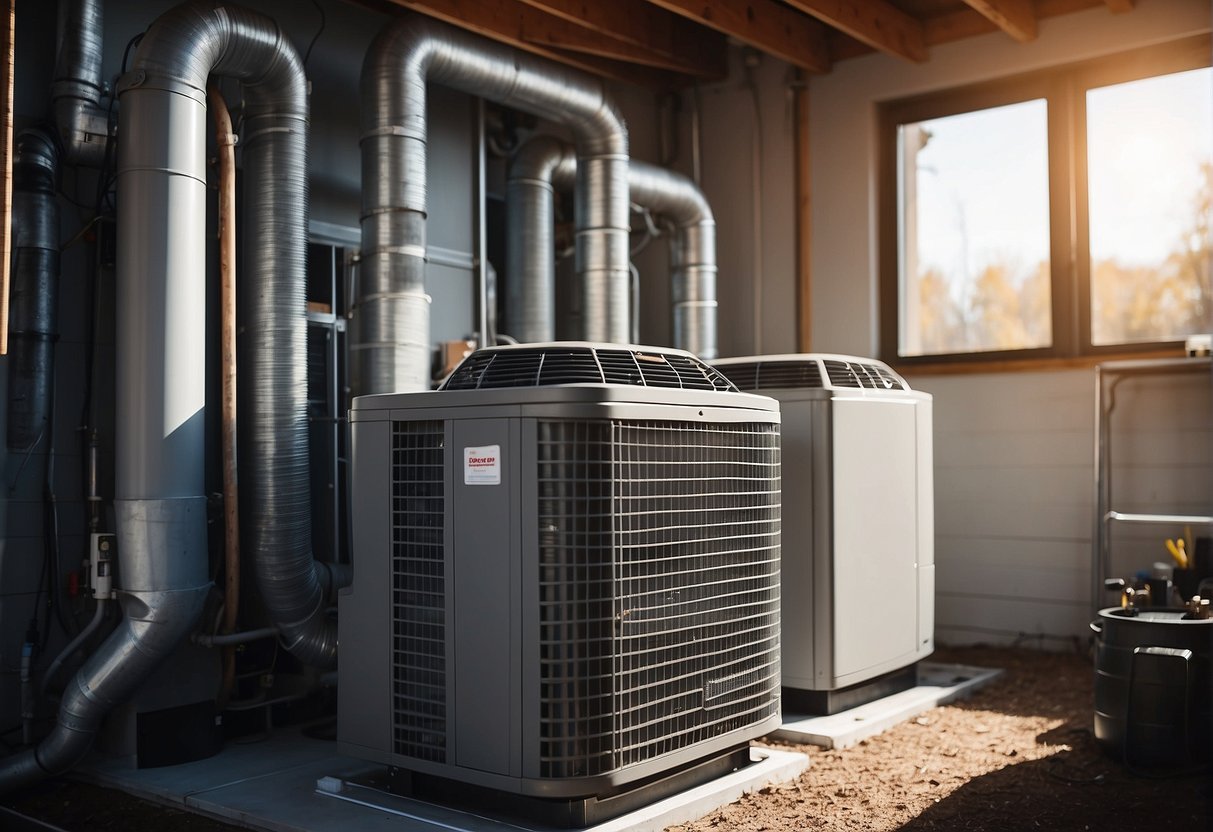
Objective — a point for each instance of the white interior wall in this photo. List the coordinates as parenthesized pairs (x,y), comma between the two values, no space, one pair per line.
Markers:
(1014,451)
(727,146)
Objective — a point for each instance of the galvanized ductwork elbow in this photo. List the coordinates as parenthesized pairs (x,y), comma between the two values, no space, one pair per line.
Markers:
(160,502)
(392,341)
(77,86)
(692,253)
(161,217)
(544,164)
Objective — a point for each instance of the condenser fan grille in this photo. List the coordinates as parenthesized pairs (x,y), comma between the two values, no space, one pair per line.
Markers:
(798,373)
(659,588)
(762,375)
(418,591)
(548,366)
(861,374)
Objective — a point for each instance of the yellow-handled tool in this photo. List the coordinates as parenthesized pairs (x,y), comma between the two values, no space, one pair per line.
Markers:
(1178,553)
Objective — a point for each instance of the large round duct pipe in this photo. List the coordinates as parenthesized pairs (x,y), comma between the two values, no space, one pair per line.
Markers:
(545,163)
(160,503)
(77,86)
(34,314)
(392,342)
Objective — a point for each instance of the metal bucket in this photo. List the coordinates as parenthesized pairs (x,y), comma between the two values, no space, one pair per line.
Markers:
(1153,685)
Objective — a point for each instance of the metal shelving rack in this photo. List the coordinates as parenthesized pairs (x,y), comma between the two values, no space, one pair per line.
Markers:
(1108,376)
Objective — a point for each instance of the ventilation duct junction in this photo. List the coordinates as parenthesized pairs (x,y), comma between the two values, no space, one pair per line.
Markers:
(392,342)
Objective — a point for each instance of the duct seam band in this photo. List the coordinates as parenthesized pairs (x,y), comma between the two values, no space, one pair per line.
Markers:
(252,136)
(701,304)
(387,345)
(407,251)
(382,296)
(392,130)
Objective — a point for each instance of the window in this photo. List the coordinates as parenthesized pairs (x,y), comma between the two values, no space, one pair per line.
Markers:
(1055,214)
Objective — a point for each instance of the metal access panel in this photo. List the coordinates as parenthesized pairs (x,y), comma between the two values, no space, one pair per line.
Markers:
(858,535)
(560,590)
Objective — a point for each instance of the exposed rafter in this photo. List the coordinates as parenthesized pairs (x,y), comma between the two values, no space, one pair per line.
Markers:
(667,44)
(874,22)
(516,24)
(673,42)
(767,25)
(1015,17)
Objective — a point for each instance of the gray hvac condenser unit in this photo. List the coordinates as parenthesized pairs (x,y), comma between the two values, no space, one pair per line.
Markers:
(566,571)
(858,534)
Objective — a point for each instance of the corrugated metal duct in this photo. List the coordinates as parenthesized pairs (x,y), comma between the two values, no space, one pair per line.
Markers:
(160,502)
(392,341)
(545,163)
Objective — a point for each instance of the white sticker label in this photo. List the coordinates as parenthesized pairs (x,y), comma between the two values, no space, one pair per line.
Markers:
(482,466)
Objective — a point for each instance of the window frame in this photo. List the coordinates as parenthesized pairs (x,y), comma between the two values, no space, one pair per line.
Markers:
(1064,90)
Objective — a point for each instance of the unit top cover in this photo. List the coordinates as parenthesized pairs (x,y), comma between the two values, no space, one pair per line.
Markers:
(810,370)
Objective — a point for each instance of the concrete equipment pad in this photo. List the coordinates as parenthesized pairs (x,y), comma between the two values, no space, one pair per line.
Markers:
(937,684)
(294,783)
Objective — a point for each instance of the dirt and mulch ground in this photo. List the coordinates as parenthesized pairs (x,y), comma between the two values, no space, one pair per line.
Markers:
(1018,755)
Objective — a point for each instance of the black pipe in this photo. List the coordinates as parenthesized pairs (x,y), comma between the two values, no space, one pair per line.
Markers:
(34,298)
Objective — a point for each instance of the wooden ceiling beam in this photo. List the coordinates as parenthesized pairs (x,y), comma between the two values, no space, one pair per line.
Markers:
(767,25)
(959,25)
(515,24)
(677,42)
(1015,17)
(876,23)
(710,66)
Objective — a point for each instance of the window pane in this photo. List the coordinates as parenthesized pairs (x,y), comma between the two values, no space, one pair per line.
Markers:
(974,233)
(1150,183)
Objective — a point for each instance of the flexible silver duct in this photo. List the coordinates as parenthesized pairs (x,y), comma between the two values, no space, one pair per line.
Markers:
(77,86)
(392,342)
(530,309)
(34,311)
(159,501)
(545,163)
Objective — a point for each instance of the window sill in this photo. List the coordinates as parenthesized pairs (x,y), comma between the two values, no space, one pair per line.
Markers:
(1025,365)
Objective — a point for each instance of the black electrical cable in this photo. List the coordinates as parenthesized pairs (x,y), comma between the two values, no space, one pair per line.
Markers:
(106,178)
(315,37)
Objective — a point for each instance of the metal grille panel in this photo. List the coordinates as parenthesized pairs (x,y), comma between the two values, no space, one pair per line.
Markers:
(767,375)
(861,374)
(556,365)
(418,591)
(659,588)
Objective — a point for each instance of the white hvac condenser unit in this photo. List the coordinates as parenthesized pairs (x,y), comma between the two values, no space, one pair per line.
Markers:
(858,533)
(566,571)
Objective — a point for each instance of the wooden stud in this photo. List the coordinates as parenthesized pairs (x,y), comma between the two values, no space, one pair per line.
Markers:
(804,202)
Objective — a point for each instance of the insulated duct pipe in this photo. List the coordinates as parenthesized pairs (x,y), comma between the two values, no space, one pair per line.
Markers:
(393,341)
(160,503)
(77,86)
(34,312)
(545,162)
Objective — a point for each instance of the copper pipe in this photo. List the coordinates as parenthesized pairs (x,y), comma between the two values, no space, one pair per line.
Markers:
(226,141)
